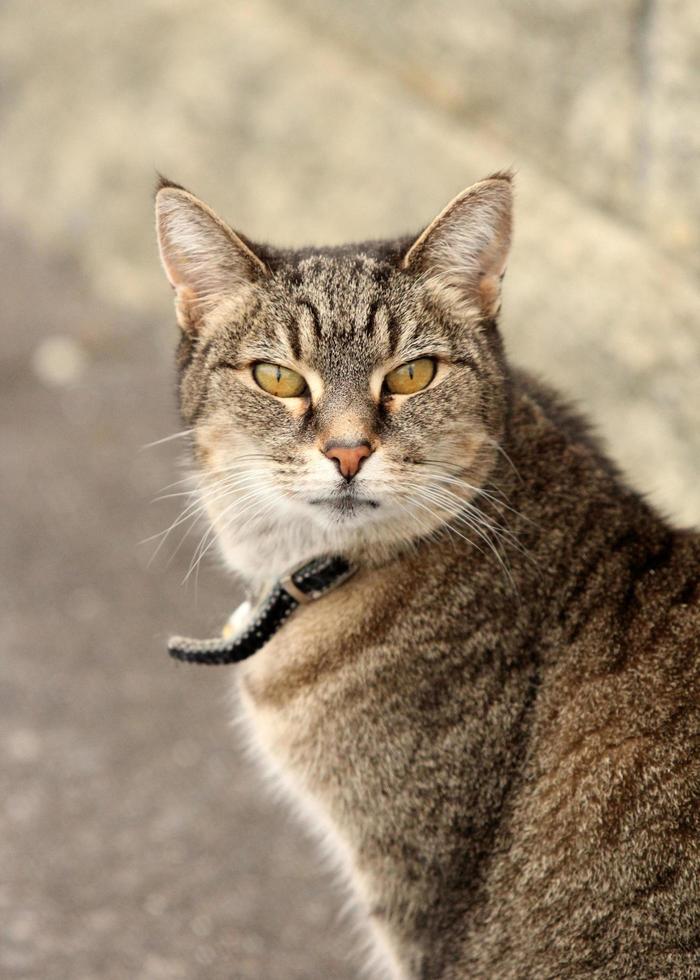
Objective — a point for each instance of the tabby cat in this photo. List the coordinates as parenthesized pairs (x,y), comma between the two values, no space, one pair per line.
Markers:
(496,722)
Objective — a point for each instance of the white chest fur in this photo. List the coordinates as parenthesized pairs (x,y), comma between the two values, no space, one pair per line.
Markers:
(286,691)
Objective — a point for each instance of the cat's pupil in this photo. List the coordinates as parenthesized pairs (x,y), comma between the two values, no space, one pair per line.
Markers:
(279,373)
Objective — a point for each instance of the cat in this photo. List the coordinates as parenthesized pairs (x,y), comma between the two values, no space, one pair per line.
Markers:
(495,723)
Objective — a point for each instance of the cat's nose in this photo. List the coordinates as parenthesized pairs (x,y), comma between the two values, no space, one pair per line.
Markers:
(348,456)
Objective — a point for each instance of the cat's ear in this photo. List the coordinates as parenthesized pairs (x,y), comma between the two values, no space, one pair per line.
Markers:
(205,260)
(462,255)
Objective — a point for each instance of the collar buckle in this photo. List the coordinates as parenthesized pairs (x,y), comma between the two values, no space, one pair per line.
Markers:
(313,579)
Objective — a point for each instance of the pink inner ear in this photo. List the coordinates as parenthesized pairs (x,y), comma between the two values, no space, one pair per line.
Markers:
(171,257)
(463,252)
(489,290)
(201,255)
(171,270)
(185,307)
(493,264)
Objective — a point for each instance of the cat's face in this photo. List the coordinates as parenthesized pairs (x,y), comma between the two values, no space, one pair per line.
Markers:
(339,399)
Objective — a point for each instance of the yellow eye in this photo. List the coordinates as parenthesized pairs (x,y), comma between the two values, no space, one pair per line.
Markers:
(411,377)
(278,380)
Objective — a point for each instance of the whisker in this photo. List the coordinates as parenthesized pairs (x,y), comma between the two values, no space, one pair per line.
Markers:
(427,532)
(478,527)
(197,476)
(204,497)
(499,448)
(159,442)
(490,491)
(445,524)
(210,537)
(213,529)
(478,519)
(479,515)
(193,520)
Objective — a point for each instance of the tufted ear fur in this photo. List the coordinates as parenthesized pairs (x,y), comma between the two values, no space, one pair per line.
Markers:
(462,254)
(204,260)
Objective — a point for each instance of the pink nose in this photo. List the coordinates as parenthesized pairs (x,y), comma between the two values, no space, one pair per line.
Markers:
(348,456)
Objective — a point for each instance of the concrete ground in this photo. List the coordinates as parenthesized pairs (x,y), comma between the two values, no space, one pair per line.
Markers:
(135,839)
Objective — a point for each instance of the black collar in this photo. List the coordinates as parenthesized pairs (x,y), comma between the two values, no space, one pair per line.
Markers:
(304,584)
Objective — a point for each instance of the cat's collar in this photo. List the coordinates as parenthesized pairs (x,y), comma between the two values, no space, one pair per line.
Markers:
(302,585)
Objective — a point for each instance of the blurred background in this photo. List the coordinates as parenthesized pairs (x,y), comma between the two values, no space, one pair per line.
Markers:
(136,841)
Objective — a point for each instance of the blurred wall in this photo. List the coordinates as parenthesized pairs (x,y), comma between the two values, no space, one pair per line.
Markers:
(603,96)
(326,121)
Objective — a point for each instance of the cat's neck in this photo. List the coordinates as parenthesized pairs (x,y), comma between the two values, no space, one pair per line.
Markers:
(569,509)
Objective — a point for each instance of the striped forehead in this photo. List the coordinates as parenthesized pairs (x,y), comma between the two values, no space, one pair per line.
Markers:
(340,310)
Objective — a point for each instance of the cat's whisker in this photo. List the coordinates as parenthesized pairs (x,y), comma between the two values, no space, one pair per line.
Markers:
(196,476)
(204,497)
(229,489)
(201,511)
(171,438)
(473,526)
(476,520)
(487,520)
(450,499)
(499,449)
(191,478)
(483,519)
(499,504)
(427,532)
(236,516)
(192,510)
(209,537)
(491,492)
(442,524)
(178,493)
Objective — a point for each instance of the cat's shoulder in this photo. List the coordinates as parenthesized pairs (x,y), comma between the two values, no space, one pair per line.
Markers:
(531,394)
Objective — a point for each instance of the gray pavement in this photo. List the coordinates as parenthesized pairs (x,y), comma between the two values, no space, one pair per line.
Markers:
(136,841)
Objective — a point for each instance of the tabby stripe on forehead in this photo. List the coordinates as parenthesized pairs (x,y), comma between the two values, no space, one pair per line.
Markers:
(393,333)
(293,339)
(381,321)
(369,325)
(314,316)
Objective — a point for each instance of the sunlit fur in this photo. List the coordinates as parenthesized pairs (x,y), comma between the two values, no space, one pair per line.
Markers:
(493,725)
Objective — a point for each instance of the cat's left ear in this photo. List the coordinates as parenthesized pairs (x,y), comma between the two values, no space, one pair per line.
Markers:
(205,260)
(462,255)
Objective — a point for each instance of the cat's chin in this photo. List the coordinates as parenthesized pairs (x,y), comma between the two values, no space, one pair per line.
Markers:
(346,508)
(352,525)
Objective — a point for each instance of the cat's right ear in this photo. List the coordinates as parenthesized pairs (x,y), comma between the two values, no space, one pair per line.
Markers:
(205,260)
(462,255)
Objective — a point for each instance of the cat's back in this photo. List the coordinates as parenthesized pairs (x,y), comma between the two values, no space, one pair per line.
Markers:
(601,871)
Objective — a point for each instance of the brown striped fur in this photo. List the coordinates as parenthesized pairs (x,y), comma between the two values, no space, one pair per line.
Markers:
(496,723)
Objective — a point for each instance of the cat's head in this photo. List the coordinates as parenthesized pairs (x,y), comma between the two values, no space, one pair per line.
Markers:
(345,398)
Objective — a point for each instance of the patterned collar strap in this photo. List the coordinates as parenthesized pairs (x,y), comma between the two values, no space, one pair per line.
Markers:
(305,584)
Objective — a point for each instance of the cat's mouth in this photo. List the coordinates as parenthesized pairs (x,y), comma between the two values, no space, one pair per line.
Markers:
(345,505)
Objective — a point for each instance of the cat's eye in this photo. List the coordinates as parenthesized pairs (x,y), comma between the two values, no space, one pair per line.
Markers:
(279,381)
(410,377)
